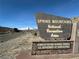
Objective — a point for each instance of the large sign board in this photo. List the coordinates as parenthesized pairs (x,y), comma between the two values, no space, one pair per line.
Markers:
(53,27)
(59,47)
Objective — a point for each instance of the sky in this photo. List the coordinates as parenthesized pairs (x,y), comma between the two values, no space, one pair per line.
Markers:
(21,13)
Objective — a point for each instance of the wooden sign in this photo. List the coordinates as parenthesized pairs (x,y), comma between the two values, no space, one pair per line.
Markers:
(55,47)
(54,27)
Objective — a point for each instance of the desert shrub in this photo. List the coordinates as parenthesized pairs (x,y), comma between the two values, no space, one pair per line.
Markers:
(16,30)
(35,34)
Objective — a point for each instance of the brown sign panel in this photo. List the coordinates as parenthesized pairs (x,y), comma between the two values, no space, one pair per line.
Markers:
(56,47)
(54,27)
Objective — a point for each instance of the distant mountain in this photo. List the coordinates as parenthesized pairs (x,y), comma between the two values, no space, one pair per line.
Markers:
(5,28)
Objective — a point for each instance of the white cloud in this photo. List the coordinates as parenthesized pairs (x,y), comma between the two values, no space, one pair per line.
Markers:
(26,28)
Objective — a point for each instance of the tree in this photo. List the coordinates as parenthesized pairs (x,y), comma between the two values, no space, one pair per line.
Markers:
(16,30)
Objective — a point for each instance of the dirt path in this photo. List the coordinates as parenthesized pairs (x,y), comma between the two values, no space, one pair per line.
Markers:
(11,48)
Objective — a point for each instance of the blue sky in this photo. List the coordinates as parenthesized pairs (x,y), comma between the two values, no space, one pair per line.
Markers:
(21,13)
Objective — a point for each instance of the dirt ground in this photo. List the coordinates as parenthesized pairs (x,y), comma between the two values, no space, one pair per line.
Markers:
(20,48)
(24,55)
